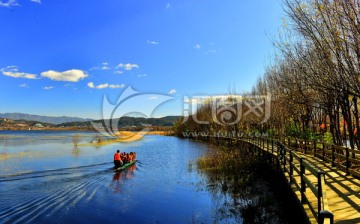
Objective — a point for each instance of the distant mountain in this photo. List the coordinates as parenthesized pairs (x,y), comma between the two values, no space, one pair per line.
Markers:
(131,121)
(44,119)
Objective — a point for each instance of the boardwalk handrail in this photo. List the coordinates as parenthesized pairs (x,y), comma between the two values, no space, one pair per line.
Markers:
(289,161)
(344,158)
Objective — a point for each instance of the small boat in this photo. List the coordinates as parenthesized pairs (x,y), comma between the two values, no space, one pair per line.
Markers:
(126,165)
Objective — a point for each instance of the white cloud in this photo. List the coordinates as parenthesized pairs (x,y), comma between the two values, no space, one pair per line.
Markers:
(73,75)
(127,66)
(36,1)
(118,72)
(142,75)
(105,85)
(168,6)
(102,86)
(24,86)
(197,46)
(105,66)
(116,86)
(153,97)
(152,42)
(13,71)
(47,87)
(173,91)
(9,3)
(91,85)
(20,75)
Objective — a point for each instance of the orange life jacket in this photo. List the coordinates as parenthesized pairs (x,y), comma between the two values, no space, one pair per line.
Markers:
(117,156)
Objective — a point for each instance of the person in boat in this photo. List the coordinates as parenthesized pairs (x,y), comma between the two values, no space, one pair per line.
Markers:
(132,156)
(128,158)
(117,159)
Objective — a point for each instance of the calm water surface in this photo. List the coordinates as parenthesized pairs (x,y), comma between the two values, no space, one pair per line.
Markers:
(44,179)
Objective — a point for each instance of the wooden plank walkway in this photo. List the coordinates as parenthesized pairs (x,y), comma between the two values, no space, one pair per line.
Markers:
(342,191)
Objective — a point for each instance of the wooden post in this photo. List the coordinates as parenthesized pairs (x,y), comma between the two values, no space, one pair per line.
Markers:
(278,164)
(347,161)
(289,142)
(332,155)
(319,188)
(284,157)
(305,147)
(291,165)
(303,186)
(314,142)
(323,151)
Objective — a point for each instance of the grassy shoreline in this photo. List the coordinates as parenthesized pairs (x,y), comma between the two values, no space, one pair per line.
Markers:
(246,177)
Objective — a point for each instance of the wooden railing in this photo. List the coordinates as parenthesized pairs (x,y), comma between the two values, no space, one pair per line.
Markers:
(344,158)
(294,165)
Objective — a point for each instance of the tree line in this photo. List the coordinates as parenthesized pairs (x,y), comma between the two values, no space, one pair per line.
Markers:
(313,78)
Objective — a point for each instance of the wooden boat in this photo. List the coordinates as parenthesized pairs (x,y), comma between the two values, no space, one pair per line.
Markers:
(126,165)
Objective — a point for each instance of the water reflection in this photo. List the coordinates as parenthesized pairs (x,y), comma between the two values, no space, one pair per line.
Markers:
(76,151)
(121,176)
(251,203)
(115,183)
(77,185)
(246,189)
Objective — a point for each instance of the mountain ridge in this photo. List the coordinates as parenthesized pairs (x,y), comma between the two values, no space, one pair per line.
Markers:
(44,119)
(76,121)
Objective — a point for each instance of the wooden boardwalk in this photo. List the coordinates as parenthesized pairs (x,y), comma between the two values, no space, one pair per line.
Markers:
(341,191)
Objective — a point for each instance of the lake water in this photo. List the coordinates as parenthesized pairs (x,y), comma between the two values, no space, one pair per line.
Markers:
(44,179)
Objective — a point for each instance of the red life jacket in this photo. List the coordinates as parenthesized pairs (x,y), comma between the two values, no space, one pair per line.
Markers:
(117,156)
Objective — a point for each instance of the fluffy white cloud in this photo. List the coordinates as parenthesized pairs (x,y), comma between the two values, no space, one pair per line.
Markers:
(36,1)
(127,66)
(152,42)
(13,71)
(105,85)
(73,75)
(9,3)
(197,46)
(47,87)
(173,91)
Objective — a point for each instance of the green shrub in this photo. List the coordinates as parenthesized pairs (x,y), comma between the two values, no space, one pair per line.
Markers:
(328,139)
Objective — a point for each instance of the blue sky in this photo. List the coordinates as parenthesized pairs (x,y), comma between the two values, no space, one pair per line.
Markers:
(62,57)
